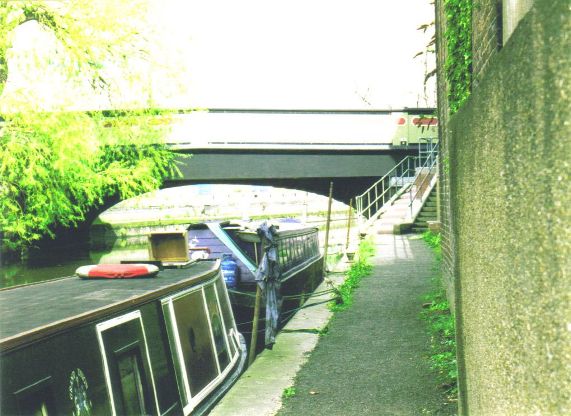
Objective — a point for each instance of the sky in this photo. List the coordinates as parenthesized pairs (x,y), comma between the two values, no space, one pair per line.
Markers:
(301,53)
(294,54)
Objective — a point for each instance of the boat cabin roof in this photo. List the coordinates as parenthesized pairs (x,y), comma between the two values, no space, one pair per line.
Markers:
(32,311)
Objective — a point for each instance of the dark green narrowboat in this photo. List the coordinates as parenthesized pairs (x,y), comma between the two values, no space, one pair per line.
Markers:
(166,345)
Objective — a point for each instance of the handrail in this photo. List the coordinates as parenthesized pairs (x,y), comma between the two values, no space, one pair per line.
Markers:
(387,174)
(382,190)
(405,173)
(427,167)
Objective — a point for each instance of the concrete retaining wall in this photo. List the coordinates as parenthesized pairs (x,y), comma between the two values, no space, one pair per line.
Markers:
(510,170)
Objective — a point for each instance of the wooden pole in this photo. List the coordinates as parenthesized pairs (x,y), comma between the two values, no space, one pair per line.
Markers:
(254,340)
(327,224)
(349,223)
(255,321)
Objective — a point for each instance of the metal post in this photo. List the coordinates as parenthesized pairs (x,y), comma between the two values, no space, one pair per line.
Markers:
(348,224)
(368,201)
(359,206)
(437,194)
(327,225)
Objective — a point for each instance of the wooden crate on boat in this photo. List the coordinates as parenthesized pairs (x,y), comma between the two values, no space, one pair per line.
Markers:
(169,247)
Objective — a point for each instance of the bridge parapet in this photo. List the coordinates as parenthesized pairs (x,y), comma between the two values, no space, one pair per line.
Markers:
(301,129)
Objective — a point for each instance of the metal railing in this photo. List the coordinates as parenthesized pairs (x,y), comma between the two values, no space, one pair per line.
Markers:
(404,174)
(370,202)
(424,174)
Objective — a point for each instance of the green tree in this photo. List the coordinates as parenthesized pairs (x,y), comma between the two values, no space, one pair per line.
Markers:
(56,164)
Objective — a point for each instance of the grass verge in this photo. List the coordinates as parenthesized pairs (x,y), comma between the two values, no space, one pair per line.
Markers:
(360,268)
(441,326)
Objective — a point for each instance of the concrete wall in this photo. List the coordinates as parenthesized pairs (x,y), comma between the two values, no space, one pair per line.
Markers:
(510,172)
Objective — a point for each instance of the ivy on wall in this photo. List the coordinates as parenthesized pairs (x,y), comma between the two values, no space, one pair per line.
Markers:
(458,65)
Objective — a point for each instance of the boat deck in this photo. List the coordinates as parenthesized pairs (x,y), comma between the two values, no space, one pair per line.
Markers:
(46,306)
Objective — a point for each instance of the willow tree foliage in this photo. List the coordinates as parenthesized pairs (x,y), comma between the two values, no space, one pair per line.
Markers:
(58,163)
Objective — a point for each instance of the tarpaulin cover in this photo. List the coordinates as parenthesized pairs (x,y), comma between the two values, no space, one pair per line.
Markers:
(228,242)
(268,278)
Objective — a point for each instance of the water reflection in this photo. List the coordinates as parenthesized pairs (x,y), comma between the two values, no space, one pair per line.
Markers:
(33,271)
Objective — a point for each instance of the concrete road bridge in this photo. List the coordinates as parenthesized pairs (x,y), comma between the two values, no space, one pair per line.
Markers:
(299,149)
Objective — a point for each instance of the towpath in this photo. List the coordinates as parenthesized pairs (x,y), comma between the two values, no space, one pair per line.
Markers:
(372,361)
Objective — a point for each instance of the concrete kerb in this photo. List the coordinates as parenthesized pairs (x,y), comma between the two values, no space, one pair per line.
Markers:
(259,390)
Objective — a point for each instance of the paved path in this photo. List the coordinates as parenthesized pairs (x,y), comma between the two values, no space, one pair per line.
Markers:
(372,361)
(258,392)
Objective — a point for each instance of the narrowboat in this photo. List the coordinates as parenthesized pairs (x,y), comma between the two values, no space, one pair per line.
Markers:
(162,345)
(294,250)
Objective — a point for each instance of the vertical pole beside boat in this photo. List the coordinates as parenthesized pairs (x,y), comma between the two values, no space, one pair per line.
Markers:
(349,212)
(327,225)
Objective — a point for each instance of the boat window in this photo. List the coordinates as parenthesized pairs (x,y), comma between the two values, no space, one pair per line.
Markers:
(194,334)
(220,341)
(203,339)
(227,316)
(131,380)
(127,364)
(282,255)
(296,250)
(178,366)
(36,399)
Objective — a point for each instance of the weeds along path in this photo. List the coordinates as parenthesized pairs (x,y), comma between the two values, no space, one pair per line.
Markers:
(373,360)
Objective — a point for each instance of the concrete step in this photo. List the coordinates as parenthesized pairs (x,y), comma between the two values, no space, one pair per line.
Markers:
(396,212)
(418,230)
(428,209)
(425,218)
(401,202)
(427,214)
(385,228)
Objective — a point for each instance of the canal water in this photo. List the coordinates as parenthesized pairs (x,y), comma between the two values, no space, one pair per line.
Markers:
(49,264)
(60,260)
(121,232)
